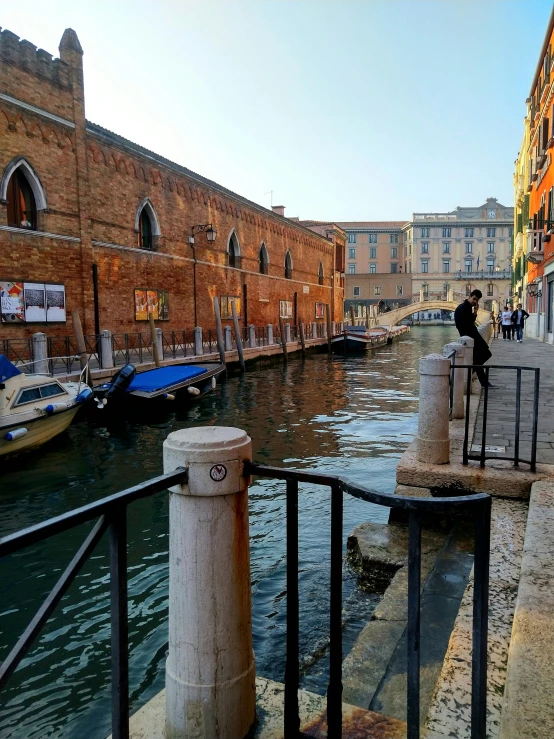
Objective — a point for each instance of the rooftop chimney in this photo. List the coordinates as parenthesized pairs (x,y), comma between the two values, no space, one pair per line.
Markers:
(279,209)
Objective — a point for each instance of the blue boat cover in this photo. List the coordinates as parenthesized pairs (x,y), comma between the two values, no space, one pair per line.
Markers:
(162,377)
(7,369)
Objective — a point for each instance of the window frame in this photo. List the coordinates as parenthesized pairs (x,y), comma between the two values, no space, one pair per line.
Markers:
(18,403)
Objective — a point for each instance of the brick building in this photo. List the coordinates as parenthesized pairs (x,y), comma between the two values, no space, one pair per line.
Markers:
(92,221)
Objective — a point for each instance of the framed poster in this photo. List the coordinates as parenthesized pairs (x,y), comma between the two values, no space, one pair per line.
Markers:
(320,310)
(225,303)
(35,302)
(285,309)
(151,301)
(163,305)
(55,303)
(141,305)
(11,302)
(153,304)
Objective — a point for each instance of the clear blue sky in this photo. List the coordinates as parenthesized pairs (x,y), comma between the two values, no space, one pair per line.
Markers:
(346,109)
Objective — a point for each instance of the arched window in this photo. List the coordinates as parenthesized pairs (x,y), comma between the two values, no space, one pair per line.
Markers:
(147,225)
(320,275)
(263,260)
(288,266)
(233,251)
(21,190)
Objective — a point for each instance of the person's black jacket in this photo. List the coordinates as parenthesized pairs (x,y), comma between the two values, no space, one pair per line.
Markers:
(524,315)
(464,318)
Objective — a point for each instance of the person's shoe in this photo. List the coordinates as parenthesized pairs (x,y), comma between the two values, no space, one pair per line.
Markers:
(489,384)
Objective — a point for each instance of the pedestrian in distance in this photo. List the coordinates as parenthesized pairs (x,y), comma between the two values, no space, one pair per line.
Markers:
(465,316)
(518,320)
(507,323)
(494,322)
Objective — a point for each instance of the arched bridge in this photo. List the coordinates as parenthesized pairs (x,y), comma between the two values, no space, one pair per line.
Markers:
(398,314)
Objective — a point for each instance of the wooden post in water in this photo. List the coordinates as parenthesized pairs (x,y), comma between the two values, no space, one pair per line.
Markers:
(302,339)
(352,317)
(237,336)
(81,346)
(155,352)
(329,328)
(219,331)
(283,339)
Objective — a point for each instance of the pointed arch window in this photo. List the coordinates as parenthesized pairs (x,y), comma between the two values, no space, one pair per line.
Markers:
(320,275)
(22,192)
(145,231)
(263,260)
(147,226)
(288,266)
(233,252)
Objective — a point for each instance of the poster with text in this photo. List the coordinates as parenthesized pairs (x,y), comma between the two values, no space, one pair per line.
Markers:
(320,310)
(285,308)
(141,305)
(35,302)
(55,303)
(226,309)
(11,302)
(163,303)
(153,305)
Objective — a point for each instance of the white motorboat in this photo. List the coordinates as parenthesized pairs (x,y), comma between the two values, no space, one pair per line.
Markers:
(35,408)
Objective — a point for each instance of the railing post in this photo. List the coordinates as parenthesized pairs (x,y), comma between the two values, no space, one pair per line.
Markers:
(269,334)
(40,353)
(228,339)
(251,335)
(198,346)
(159,342)
(314,330)
(106,354)
(459,377)
(433,442)
(287,333)
(210,669)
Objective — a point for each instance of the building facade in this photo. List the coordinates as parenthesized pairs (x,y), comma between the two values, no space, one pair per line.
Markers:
(522,182)
(93,222)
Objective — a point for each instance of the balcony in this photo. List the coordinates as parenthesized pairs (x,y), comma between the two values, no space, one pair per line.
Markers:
(534,251)
(483,274)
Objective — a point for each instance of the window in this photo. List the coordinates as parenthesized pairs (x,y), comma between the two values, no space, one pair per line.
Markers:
(373,252)
(320,275)
(446,265)
(490,247)
(446,247)
(352,253)
(233,252)
(491,231)
(22,211)
(399,290)
(288,266)
(490,290)
(469,247)
(394,252)
(377,290)
(469,265)
(372,238)
(425,232)
(32,394)
(225,302)
(352,238)
(490,265)
(394,238)
(425,265)
(372,268)
(425,247)
(469,233)
(393,268)
(446,232)
(351,269)
(285,308)
(356,292)
(145,231)
(263,260)
(146,225)
(425,288)
(511,228)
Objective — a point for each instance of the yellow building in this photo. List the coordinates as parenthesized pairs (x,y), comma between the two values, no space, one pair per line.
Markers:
(522,184)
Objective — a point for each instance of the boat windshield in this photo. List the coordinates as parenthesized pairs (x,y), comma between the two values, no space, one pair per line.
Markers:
(30,394)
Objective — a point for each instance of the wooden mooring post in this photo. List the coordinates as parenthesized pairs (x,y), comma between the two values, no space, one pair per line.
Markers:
(283,339)
(237,336)
(329,328)
(302,339)
(352,317)
(219,331)
(81,346)
(155,352)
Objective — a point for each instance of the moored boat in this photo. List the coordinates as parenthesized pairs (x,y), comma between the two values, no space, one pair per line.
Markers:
(359,338)
(35,408)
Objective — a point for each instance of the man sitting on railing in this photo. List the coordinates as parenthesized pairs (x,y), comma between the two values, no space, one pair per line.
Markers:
(464,317)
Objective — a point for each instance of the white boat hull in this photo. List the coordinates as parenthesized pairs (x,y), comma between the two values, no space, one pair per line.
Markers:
(39,431)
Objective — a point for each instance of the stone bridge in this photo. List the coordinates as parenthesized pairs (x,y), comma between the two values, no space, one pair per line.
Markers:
(395,316)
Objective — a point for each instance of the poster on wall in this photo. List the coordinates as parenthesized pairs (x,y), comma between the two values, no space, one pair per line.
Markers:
(320,310)
(153,305)
(11,302)
(141,305)
(285,308)
(226,309)
(163,305)
(55,303)
(151,301)
(35,302)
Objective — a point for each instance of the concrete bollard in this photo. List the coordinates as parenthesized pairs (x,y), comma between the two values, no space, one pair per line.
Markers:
(106,353)
(324,330)
(210,669)
(459,377)
(40,353)
(198,345)
(228,339)
(160,343)
(314,330)
(333,328)
(433,442)
(287,333)
(269,334)
(251,335)
(469,343)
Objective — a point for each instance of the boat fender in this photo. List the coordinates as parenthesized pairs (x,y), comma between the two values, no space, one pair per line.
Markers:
(214,383)
(84,395)
(193,390)
(15,434)
(169,396)
(56,407)
(121,380)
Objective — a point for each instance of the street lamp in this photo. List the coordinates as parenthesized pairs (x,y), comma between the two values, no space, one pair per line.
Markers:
(211,234)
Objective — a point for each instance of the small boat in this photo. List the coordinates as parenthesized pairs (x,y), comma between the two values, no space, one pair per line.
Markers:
(153,388)
(35,408)
(359,338)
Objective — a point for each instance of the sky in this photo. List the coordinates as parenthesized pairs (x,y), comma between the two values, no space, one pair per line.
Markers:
(338,109)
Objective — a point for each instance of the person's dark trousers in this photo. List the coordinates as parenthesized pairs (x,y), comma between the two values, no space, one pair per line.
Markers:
(506,332)
(513,332)
(519,332)
(480,372)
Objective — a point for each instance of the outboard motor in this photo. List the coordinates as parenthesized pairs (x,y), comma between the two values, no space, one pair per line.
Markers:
(121,381)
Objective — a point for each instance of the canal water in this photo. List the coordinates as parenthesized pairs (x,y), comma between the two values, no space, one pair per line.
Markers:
(352,416)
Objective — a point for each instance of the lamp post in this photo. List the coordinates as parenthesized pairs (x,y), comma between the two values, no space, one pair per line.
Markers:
(211,234)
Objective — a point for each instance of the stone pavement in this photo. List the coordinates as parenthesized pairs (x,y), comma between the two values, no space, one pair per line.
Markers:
(501,405)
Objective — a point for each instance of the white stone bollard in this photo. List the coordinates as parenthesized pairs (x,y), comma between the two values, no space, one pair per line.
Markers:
(269,334)
(40,353)
(287,333)
(251,335)
(325,330)
(198,344)
(106,353)
(228,339)
(469,343)
(210,669)
(159,342)
(333,328)
(433,442)
(459,377)
(314,330)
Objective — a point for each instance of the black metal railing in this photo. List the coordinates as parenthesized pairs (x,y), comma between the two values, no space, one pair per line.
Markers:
(475,507)
(112,516)
(483,455)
